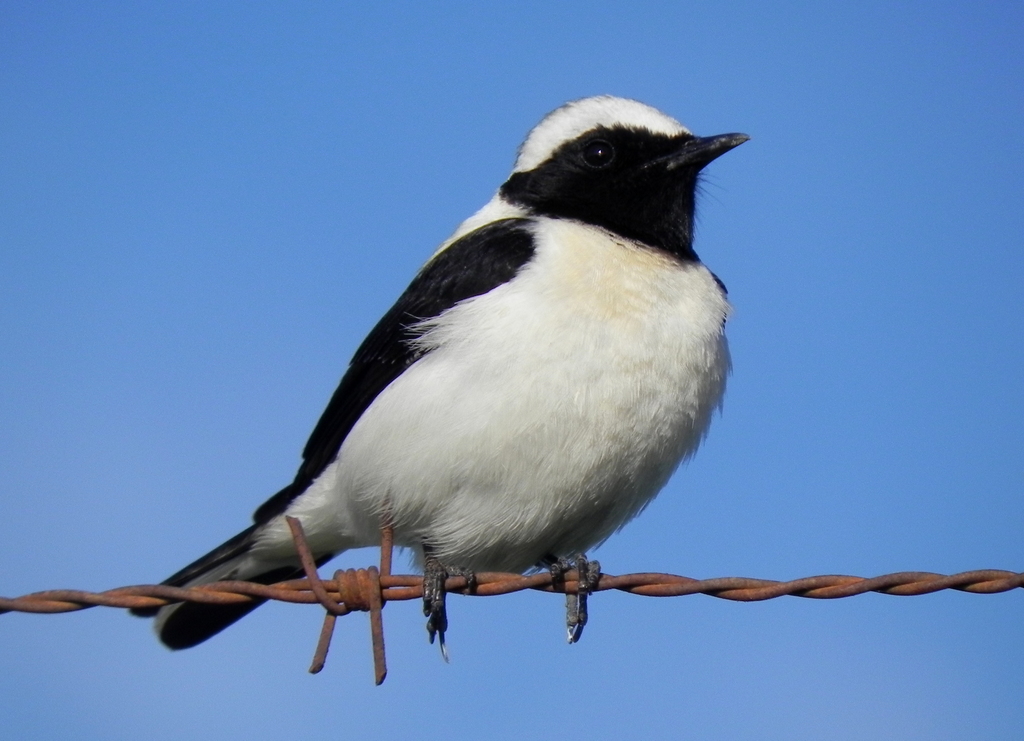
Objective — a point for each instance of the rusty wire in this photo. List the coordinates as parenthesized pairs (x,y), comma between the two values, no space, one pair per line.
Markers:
(406,587)
(367,590)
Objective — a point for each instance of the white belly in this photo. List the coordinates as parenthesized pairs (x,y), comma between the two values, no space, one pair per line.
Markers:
(548,413)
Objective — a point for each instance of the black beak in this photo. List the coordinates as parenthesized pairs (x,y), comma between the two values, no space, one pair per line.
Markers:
(697,153)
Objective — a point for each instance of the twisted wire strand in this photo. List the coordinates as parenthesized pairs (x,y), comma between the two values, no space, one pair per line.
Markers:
(366,590)
(396,588)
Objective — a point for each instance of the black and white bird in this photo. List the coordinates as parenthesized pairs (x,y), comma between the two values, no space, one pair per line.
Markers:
(533,388)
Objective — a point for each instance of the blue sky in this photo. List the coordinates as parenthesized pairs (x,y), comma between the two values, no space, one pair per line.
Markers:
(205,206)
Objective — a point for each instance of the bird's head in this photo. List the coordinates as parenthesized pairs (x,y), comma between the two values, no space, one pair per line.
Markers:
(617,164)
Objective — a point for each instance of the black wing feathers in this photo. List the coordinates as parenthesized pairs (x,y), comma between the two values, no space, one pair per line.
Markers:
(471,266)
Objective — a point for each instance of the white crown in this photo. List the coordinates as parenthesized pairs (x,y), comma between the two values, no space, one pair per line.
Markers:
(580,116)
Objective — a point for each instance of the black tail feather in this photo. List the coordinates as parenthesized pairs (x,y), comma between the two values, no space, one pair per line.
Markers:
(191,623)
(227,550)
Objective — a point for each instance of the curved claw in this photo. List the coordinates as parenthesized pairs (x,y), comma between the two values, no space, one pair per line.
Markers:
(435,574)
(588,575)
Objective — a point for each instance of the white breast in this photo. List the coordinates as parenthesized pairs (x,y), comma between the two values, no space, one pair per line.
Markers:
(548,413)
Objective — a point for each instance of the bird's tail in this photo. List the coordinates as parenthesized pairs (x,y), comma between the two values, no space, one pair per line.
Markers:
(190,623)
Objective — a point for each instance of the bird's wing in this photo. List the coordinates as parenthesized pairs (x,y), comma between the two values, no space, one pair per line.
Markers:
(472,265)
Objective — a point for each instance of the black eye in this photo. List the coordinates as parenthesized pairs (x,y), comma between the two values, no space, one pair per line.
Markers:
(598,153)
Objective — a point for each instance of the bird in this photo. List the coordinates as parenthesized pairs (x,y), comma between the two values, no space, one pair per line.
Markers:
(531,391)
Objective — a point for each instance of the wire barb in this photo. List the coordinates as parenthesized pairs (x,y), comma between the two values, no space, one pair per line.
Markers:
(359,589)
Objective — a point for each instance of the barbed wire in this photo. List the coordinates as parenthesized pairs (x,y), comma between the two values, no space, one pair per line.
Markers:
(401,587)
(368,589)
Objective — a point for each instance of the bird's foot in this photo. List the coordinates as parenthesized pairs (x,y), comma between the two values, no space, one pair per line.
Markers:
(576,604)
(435,574)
